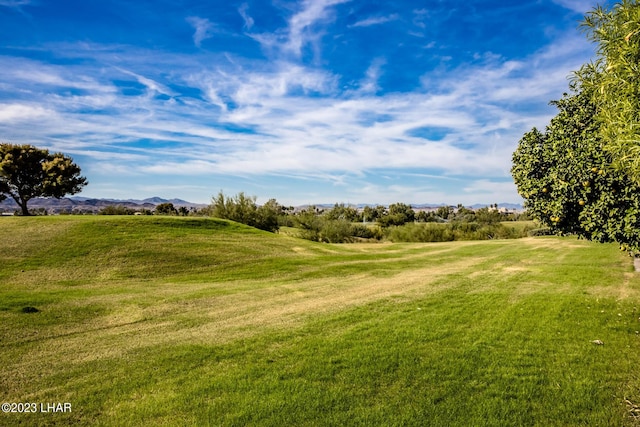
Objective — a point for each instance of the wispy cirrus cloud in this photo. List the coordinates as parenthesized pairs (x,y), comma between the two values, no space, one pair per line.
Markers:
(269,123)
(204,29)
(370,81)
(15,3)
(302,29)
(140,112)
(580,6)
(248,20)
(375,20)
(151,85)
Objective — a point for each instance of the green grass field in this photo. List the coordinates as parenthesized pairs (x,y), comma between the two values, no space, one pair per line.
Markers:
(192,322)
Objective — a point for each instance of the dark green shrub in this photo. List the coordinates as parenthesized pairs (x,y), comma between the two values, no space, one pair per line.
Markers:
(116,210)
(544,231)
(430,232)
(336,231)
(364,232)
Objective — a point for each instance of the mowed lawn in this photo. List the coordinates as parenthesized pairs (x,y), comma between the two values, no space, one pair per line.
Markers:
(195,322)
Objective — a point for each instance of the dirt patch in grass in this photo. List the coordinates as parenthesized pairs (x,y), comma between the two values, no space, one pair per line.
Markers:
(300,250)
(629,288)
(551,242)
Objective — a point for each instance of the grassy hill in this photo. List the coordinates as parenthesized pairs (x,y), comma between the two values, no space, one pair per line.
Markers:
(183,321)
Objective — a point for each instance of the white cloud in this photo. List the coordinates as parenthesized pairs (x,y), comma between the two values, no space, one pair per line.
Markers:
(375,20)
(420,17)
(14,3)
(300,32)
(580,6)
(489,191)
(33,75)
(370,82)
(101,156)
(301,29)
(10,113)
(248,20)
(150,84)
(204,29)
(193,167)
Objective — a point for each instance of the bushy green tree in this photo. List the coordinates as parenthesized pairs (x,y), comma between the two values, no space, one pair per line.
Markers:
(403,210)
(310,224)
(487,216)
(568,180)
(444,212)
(324,227)
(340,211)
(424,216)
(399,213)
(267,216)
(27,172)
(463,214)
(371,214)
(166,209)
(243,209)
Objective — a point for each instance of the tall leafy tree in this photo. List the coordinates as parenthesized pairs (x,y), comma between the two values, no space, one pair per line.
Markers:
(582,174)
(399,213)
(27,172)
(569,181)
(243,209)
(340,211)
(166,209)
(613,79)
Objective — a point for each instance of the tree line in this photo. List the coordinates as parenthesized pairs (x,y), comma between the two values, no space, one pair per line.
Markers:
(342,223)
(27,172)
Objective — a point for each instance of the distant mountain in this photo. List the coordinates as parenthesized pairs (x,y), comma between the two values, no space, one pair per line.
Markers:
(87,204)
(157,200)
(149,201)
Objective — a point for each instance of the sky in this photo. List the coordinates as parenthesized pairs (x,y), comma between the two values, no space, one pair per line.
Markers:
(314,101)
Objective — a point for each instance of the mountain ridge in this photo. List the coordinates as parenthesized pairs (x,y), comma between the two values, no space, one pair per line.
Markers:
(92,205)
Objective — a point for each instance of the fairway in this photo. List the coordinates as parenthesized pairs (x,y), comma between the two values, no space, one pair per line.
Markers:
(197,321)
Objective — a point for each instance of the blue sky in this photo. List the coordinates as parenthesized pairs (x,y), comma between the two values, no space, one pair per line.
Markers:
(316,101)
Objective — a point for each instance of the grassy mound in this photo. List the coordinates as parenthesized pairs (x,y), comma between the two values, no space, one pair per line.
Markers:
(181,321)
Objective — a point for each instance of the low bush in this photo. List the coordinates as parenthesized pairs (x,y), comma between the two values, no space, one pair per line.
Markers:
(421,233)
(364,232)
(544,231)
(116,210)
(430,232)
(322,229)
